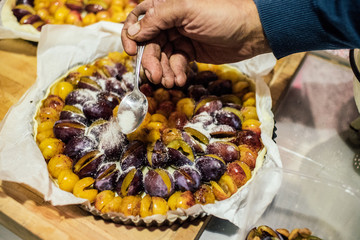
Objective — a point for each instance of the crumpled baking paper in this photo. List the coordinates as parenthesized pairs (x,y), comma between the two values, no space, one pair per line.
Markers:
(62,47)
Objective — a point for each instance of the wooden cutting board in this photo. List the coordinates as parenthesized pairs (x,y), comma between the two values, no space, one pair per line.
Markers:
(23,210)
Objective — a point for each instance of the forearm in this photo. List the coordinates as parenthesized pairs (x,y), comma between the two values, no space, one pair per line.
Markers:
(304,25)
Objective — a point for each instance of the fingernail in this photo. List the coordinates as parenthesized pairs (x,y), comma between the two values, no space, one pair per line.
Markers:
(134,29)
(163,82)
(177,82)
(166,83)
(148,75)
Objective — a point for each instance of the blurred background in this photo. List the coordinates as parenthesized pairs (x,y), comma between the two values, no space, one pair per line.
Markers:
(315,139)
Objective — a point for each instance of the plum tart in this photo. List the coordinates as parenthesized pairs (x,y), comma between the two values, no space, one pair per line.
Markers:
(37,13)
(198,144)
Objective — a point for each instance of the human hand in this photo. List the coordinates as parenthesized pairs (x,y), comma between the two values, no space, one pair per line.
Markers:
(177,32)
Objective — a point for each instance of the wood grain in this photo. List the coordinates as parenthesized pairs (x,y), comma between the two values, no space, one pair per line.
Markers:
(17,71)
(282,75)
(23,210)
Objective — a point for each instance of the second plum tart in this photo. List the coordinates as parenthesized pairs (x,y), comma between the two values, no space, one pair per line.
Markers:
(37,13)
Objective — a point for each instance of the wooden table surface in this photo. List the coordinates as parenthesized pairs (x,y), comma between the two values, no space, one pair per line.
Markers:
(23,210)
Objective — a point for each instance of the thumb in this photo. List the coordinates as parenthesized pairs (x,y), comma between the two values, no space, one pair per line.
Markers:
(158,16)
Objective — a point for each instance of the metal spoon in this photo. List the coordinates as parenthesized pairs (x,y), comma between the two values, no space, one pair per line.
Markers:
(134,106)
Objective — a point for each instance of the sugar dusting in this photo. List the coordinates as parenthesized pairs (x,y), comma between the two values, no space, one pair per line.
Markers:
(112,136)
(128,77)
(127,121)
(201,125)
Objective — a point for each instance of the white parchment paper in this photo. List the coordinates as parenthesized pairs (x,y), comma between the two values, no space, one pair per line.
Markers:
(62,47)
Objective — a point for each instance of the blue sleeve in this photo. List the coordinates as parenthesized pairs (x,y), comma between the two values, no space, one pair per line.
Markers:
(304,25)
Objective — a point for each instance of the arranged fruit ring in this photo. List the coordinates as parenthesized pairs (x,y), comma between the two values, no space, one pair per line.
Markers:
(198,144)
(37,13)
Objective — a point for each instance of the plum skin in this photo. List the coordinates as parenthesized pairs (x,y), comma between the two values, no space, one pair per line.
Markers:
(107,182)
(68,129)
(134,155)
(227,151)
(210,168)
(97,110)
(187,179)
(77,147)
(155,185)
(134,187)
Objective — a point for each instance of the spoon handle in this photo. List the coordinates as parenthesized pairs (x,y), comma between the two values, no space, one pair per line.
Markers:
(140,51)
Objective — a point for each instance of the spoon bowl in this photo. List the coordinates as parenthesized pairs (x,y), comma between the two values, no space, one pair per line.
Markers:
(134,106)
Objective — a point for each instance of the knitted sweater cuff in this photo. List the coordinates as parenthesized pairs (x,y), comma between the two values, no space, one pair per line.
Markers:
(293,28)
